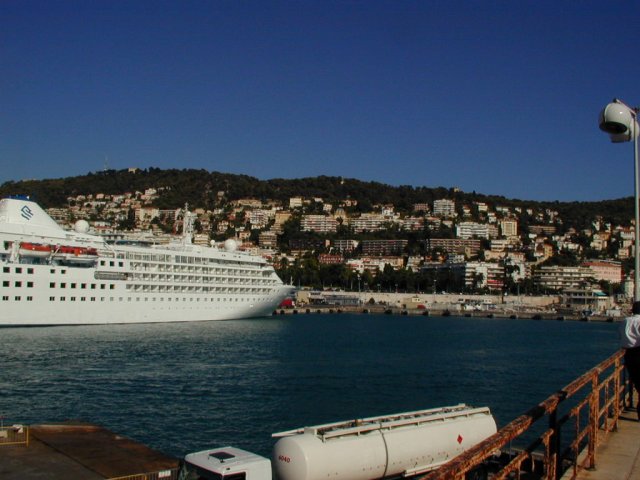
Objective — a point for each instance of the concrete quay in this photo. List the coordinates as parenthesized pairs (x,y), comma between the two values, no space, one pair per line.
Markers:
(83,452)
(440,312)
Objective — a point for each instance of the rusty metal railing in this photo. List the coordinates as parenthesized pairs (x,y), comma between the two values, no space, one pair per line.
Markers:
(593,403)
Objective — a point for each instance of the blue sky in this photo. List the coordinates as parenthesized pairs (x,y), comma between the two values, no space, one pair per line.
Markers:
(500,97)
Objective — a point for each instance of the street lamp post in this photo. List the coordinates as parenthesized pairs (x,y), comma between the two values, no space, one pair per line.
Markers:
(620,121)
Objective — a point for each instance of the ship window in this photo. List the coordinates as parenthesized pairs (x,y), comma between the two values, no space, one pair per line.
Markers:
(83,285)
(17,299)
(93,299)
(73,285)
(63,271)
(62,299)
(121,264)
(18,284)
(52,299)
(93,286)
(18,270)
(30,270)
(52,285)
(102,262)
(53,270)
(102,286)
(72,299)
(111,263)
(111,286)
(29,299)
(5,269)
(5,298)
(83,299)
(63,285)
(5,283)
(29,284)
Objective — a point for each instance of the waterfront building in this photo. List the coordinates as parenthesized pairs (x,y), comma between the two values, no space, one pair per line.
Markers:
(484,275)
(607,270)
(559,278)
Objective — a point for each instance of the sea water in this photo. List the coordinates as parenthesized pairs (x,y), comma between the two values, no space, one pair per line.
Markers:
(183,387)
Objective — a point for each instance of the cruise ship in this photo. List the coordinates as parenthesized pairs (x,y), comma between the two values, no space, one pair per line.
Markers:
(51,276)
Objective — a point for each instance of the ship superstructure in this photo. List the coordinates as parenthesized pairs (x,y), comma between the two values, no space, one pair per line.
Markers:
(51,276)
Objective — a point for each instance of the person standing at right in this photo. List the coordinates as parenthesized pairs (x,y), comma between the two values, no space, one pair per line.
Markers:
(630,342)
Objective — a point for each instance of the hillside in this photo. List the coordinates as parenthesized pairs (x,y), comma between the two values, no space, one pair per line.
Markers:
(200,189)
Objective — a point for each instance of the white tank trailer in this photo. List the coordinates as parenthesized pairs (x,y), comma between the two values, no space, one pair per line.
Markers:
(386,447)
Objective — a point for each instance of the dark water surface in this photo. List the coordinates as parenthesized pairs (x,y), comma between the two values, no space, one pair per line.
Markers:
(188,386)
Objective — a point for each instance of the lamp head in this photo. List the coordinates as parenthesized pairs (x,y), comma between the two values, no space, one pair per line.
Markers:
(619,121)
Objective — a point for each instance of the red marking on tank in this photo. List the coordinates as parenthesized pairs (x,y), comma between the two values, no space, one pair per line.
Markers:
(460,438)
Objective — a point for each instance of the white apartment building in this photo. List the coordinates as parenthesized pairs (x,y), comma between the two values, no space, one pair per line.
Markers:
(444,208)
(484,275)
(259,218)
(472,229)
(370,222)
(560,278)
(319,223)
(295,202)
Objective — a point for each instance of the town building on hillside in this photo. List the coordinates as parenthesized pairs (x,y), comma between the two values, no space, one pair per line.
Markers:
(468,230)
(468,247)
(368,222)
(444,208)
(345,246)
(330,259)
(319,223)
(300,246)
(296,202)
(542,229)
(383,247)
(268,239)
(509,227)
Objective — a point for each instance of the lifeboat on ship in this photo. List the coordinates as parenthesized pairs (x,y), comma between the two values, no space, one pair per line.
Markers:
(34,250)
(75,255)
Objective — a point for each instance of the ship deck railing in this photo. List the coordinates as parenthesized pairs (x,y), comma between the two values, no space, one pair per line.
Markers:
(14,435)
(567,427)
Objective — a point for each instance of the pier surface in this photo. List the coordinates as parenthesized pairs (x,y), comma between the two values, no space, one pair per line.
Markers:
(88,452)
(618,456)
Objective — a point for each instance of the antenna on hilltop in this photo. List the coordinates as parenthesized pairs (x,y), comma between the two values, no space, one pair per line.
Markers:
(106,163)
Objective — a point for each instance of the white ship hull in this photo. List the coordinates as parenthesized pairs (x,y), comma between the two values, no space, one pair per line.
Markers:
(103,284)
